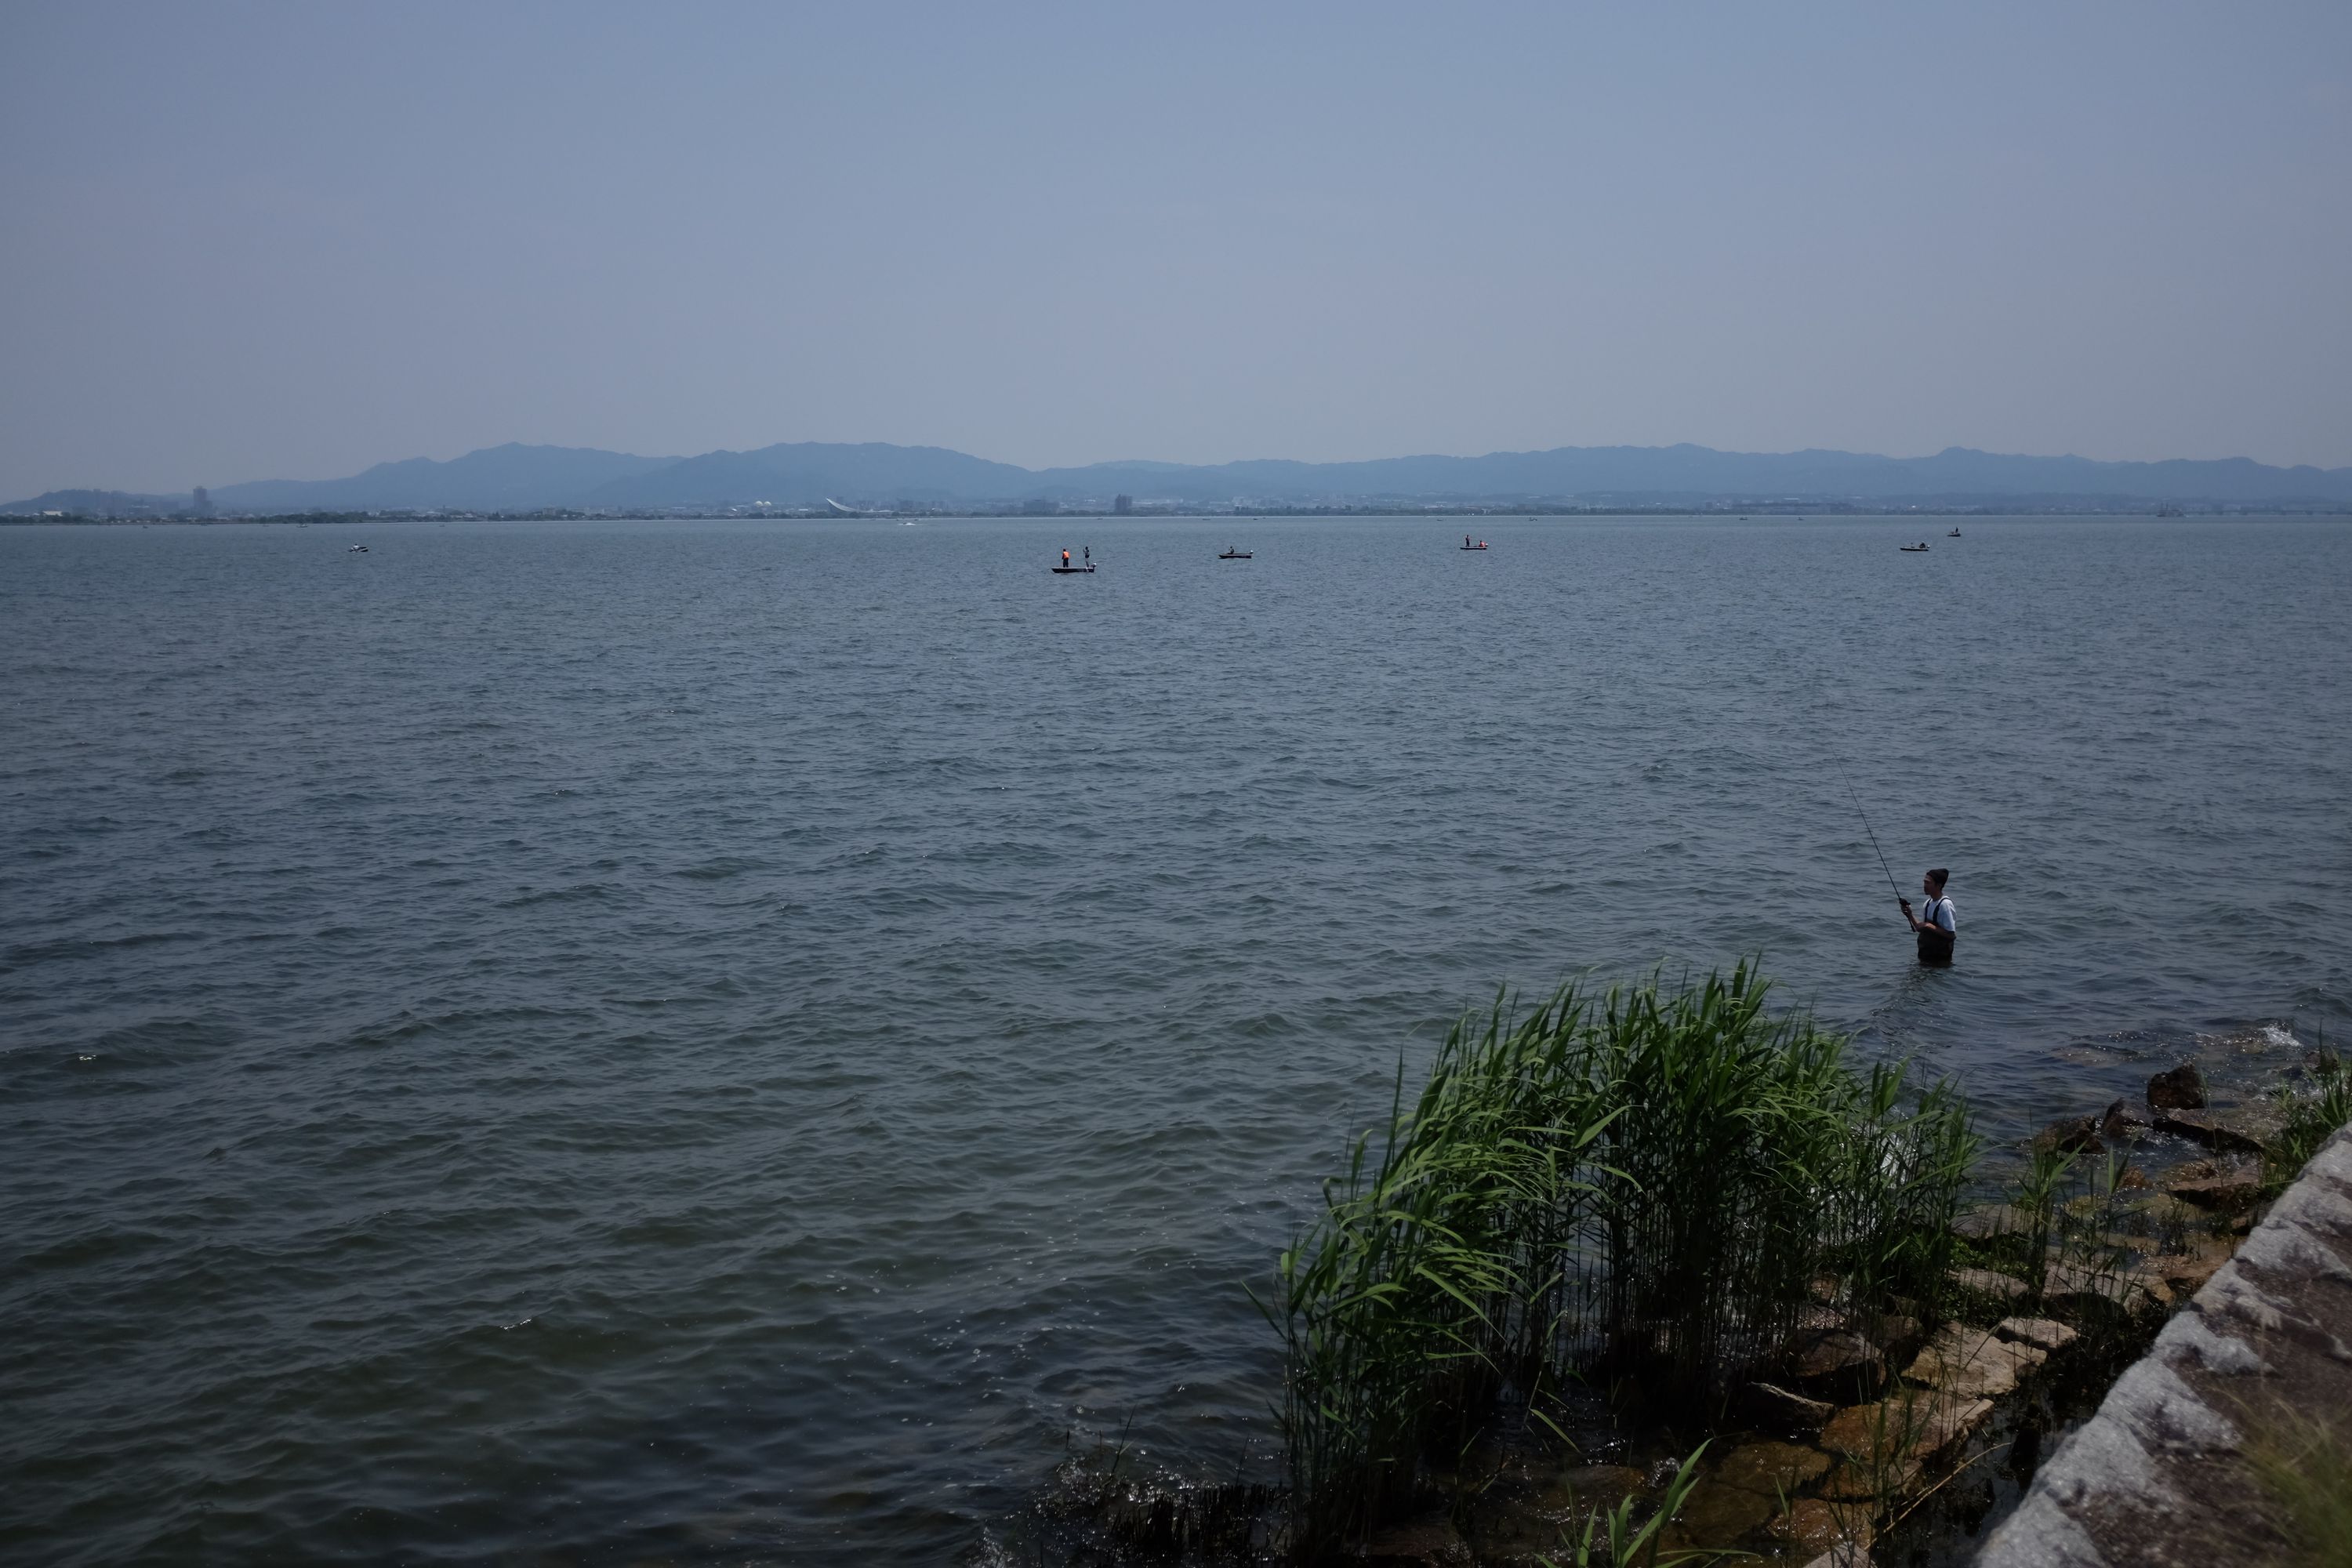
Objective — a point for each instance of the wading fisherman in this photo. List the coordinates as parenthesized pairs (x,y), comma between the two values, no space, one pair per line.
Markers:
(1936,924)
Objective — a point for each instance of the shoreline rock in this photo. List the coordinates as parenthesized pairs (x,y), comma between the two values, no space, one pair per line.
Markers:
(2213,1130)
(1836,1363)
(1988,1283)
(1969,1362)
(1775,1408)
(2121,1124)
(2075,1135)
(2046,1334)
(1888,1446)
(2211,1186)
(2181,1089)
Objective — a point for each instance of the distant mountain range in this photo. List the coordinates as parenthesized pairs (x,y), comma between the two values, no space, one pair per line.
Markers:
(808,474)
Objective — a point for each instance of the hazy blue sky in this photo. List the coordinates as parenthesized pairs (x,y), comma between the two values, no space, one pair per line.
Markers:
(253,241)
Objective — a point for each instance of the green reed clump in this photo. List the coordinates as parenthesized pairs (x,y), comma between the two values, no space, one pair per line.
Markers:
(1648,1185)
(2310,1119)
(1408,1296)
(1746,1159)
(2038,1203)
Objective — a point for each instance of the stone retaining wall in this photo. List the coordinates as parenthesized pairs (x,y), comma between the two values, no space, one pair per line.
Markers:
(2156,1476)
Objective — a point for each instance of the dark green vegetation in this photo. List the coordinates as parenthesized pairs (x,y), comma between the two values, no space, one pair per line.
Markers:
(1652,1188)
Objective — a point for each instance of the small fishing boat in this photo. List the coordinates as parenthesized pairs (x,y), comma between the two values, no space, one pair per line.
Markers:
(1467,545)
(357,550)
(1954,534)
(1065,569)
(1921,545)
(1232,555)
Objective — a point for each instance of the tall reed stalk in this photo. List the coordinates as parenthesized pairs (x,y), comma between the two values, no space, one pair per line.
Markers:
(1649,1184)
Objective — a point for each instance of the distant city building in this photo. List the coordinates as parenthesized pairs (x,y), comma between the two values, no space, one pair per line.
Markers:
(1122,506)
(1040,508)
(204,499)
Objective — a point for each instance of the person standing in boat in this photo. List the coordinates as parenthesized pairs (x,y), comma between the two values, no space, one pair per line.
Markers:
(1065,558)
(1936,925)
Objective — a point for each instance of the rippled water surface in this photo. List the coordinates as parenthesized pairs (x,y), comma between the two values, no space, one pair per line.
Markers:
(698,1041)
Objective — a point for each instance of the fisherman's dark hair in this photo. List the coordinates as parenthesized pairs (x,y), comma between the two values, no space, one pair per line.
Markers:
(1940,875)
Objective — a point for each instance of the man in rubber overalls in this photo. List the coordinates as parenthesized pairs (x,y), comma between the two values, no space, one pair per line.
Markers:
(1936,924)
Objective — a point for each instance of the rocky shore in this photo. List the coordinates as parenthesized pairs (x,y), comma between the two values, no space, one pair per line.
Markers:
(1866,1416)
(2227,1445)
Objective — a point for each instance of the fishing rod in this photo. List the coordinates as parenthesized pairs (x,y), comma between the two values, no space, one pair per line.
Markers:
(1874,837)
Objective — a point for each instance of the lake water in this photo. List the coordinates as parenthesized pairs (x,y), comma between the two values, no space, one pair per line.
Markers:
(636,1042)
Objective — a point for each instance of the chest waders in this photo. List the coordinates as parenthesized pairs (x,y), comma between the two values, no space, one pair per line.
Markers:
(1935,941)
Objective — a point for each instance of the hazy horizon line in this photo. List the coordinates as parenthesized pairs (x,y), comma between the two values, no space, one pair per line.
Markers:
(314,477)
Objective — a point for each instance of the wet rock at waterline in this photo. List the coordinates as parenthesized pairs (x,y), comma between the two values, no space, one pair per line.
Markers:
(2151,1282)
(2182,1088)
(1897,1335)
(2211,1186)
(2231,1133)
(2187,1271)
(1595,1485)
(2078,1290)
(1716,1518)
(1580,1491)
(2045,1334)
(1887,1445)
(1776,1409)
(2123,1124)
(2075,1135)
(1812,1525)
(1985,1282)
(1993,1219)
(1836,1363)
(1970,1362)
(1775,1469)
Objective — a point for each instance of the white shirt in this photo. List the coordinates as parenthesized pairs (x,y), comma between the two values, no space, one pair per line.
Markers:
(1938,913)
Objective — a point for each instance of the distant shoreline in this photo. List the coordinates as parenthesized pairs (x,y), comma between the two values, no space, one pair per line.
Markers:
(2166,513)
(820,479)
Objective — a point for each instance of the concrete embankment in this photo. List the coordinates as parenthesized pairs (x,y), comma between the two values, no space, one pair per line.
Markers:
(2160,1475)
